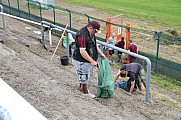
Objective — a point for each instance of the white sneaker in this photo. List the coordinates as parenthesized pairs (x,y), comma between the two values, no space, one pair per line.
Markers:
(90,95)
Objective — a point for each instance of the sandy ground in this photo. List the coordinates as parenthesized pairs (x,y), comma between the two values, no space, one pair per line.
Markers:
(50,87)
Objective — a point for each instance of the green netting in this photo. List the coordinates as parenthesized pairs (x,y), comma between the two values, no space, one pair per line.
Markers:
(165,67)
(105,79)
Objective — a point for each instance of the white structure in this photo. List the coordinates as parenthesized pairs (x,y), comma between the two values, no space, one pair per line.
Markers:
(48,2)
(45,2)
(15,107)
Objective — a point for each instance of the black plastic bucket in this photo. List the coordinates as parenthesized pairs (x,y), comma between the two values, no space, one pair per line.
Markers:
(64,60)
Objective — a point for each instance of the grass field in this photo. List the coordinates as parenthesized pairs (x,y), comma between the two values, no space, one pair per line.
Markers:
(167,12)
(166,83)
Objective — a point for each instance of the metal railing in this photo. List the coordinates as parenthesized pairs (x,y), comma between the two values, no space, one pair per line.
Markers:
(147,96)
(3,23)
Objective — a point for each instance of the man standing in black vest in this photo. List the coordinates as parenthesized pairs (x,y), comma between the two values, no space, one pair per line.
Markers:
(86,54)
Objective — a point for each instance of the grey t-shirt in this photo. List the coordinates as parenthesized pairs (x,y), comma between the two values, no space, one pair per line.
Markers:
(133,67)
(111,42)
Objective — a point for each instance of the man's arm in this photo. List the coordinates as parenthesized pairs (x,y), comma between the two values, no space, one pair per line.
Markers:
(86,56)
(132,86)
(144,83)
(117,76)
(132,78)
(100,52)
(82,47)
(136,49)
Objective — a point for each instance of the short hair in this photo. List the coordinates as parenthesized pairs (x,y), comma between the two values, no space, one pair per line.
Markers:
(130,41)
(123,73)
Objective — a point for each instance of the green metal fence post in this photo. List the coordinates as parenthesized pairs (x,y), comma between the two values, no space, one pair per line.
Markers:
(88,18)
(29,9)
(70,19)
(9,7)
(40,10)
(158,45)
(18,8)
(53,14)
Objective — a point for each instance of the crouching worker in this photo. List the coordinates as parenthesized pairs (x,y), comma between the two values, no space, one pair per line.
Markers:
(136,75)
